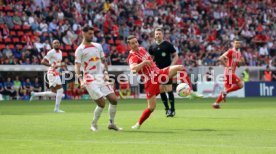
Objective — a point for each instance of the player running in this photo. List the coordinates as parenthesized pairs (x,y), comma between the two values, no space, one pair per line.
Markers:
(90,56)
(230,59)
(53,61)
(141,62)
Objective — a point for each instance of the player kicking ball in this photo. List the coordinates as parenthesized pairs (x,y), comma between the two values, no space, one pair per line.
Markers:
(53,61)
(90,57)
(141,62)
(230,59)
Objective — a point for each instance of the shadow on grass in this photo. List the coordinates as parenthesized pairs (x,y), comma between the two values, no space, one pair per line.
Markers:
(149,131)
(203,130)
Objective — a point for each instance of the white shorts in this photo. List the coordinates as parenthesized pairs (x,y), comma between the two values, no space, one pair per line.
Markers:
(97,90)
(53,80)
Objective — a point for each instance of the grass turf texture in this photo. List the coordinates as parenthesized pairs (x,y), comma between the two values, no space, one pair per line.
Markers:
(241,126)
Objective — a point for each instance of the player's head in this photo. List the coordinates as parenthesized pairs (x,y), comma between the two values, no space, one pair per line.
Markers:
(237,44)
(158,35)
(133,42)
(87,33)
(56,44)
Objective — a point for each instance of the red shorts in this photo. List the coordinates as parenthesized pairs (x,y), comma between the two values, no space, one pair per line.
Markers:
(231,79)
(153,89)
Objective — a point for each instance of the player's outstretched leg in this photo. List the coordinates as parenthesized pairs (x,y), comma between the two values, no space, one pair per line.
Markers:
(234,87)
(218,101)
(112,112)
(223,94)
(146,113)
(45,93)
(183,75)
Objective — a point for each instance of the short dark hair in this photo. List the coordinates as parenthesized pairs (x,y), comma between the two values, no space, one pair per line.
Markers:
(87,28)
(159,29)
(130,37)
(237,39)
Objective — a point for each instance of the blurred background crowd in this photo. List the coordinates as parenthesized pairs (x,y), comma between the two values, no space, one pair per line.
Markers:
(200,30)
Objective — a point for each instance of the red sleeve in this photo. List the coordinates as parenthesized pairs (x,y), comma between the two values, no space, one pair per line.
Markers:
(132,59)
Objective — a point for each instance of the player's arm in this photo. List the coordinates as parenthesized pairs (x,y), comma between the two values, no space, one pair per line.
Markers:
(78,55)
(175,58)
(223,58)
(104,61)
(78,73)
(137,67)
(173,53)
(105,71)
(241,61)
(45,62)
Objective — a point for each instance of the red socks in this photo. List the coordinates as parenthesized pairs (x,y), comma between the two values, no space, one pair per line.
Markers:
(185,78)
(219,99)
(233,88)
(144,116)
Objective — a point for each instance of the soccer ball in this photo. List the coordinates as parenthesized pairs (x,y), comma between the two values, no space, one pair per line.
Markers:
(183,90)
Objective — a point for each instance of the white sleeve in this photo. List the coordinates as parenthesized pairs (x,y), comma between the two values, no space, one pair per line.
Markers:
(99,46)
(78,55)
(101,51)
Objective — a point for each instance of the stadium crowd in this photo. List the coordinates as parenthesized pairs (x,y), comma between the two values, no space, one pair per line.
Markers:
(199,29)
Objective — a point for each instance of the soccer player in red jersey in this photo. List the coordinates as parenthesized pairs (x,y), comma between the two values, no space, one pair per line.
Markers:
(230,59)
(142,63)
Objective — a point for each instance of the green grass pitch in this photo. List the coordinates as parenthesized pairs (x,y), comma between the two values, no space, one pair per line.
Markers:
(242,126)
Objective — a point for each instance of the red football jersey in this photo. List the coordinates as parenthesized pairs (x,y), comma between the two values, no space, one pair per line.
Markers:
(232,61)
(138,57)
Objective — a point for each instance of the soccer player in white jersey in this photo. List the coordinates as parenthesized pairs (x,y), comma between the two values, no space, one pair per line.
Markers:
(53,60)
(90,57)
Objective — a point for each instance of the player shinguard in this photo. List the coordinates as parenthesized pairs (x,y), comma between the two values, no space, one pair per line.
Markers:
(164,55)
(53,60)
(90,57)
(230,59)
(141,62)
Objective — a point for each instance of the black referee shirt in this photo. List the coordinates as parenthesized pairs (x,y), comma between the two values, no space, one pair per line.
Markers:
(162,53)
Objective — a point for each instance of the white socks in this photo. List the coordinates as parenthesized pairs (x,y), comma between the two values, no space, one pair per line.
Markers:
(112,113)
(46,93)
(97,113)
(98,110)
(58,98)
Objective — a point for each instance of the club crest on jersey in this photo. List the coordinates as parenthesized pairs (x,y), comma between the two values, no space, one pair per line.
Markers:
(94,59)
(163,54)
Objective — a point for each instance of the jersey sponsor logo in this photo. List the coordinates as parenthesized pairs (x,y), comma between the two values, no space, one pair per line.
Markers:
(94,59)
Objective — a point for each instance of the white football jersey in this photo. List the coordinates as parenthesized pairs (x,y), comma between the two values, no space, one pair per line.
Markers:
(89,57)
(54,57)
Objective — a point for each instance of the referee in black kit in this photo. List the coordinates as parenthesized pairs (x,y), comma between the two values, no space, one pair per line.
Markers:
(164,55)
